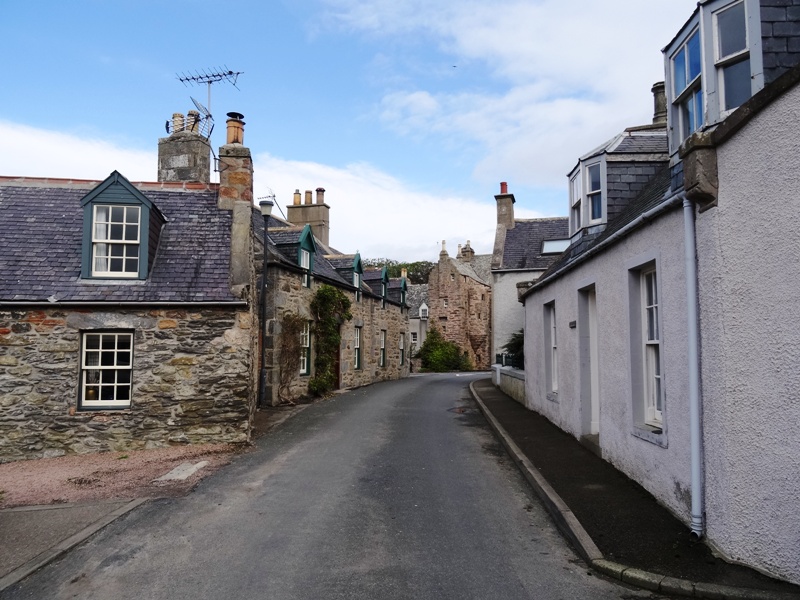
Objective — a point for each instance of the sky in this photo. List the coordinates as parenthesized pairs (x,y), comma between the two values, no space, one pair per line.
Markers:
(408,112)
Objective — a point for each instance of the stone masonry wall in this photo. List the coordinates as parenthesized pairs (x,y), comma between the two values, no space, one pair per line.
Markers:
(191,377)
(466,320)
(286,295)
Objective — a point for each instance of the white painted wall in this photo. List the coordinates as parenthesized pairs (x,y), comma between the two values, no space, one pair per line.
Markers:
(749,271)
(663,469)
(508,314)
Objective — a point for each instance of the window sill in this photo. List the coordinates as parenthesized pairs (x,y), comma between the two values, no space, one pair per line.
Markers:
(650,433)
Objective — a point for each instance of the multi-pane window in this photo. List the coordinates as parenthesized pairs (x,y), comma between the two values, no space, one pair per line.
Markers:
(305,264)
(654,404)
(576,196)
(413,337)
(402,349)
(357,348)
(687,86)
(106,365)
(357,285)
(382,362)
(305,349)
(115,240)
(423,312)
(594,193)
(732,58)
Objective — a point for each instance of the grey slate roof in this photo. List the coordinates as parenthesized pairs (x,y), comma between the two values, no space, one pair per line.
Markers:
(41,227)
(649,198)
(631,141)
(479,268)
(416,296)
(523,244)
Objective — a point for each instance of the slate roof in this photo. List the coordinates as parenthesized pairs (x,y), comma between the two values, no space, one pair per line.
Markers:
(416,296)
(633,141)
(650,197)
(523,244)
(41,228)
(479,268)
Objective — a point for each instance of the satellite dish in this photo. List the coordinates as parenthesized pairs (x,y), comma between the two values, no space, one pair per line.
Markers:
(203,110)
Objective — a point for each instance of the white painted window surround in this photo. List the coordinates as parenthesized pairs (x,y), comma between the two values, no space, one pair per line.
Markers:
(551,347)
(106,369)
(305,349)
(588,193)
(115,240)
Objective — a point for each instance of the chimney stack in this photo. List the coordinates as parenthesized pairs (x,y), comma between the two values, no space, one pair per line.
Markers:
(236,195)
(659,104)
(467,253)
(404,273)
(505,207)
(317,215)
(443,254)
(185,154)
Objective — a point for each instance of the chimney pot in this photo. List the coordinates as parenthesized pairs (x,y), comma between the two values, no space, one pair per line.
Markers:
(308,196)
(177,122)
(503,187)
(235,133)
(296,200)
(320,195)
(659,103)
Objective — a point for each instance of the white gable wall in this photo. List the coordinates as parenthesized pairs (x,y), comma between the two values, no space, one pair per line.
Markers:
(749,271)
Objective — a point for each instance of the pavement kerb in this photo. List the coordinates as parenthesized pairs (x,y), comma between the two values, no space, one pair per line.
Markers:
(53,553)
(572,529)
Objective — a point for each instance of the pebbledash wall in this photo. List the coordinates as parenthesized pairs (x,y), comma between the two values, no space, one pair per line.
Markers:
(286,295)
(191,380)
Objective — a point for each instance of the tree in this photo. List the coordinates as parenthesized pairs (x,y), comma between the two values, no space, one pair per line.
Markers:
(515,348)
(440,355)
(417,272)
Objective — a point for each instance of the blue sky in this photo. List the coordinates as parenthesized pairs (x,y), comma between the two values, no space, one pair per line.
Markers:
(408,112)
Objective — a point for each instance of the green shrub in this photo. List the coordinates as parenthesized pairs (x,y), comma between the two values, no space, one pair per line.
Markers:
(440,355)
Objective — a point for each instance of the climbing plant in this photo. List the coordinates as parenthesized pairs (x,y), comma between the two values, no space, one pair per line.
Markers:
(330,308)
(289,346)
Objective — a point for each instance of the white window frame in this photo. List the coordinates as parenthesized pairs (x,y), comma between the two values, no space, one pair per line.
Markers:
(691,94)
(105,243)
(576,206)
(402,349)
(651,349)
(357,348)
(423,312)
(382,358)
(591,193)
(723,62)
(414,337)
(109,385)
(357,285)
(305,349)
(551,347)
(305,263)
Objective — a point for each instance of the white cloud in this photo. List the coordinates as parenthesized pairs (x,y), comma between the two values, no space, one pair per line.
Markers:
(371,211)
(32,152)
(378,215)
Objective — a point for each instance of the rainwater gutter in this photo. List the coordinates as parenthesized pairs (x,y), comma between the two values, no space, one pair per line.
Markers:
(695,401)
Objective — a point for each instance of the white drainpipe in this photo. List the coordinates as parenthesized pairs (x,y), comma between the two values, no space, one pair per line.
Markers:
(695,406)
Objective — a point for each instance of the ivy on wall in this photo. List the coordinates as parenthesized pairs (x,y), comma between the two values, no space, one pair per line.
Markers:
(330,308)
(289,345)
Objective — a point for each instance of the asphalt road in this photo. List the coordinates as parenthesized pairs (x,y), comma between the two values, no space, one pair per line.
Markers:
(397,490)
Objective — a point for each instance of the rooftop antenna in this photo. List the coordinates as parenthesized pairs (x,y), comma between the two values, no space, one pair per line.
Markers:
(209,76)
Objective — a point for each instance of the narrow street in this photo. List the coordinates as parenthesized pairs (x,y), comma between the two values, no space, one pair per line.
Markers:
(396,490)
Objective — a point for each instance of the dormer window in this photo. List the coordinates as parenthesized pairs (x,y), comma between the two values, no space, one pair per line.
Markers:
(732,56)
(357,285)
(121,228)
(687,87)
(587,185)
(423,312)
(305,264)
(115,241)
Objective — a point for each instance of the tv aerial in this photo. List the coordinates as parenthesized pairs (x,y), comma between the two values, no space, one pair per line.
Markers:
(203,122)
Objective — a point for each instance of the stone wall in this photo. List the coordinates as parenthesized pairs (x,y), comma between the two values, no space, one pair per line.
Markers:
(466,320)
(286,295)
(192,381)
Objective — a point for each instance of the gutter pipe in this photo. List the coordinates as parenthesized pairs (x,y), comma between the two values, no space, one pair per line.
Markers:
(695,401)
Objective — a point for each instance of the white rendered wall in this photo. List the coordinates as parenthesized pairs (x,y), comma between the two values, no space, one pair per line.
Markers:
(663,469)
(749,271)
(508,314)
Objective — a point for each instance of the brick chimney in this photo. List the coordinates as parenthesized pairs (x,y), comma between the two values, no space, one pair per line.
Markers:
(236,194)
(505,207)
(185,154)
(317,215)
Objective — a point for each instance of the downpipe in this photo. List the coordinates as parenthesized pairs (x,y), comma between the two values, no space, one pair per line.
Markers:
(695,408)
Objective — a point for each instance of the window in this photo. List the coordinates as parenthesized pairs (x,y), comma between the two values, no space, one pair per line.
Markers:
(423,312)
(413,337)
(357,284)
(402,349)
(305,263)
(576,196)
(357,348)
(115,241)
(554,246)
(654,405)
(383,348)
(444,303)
(594,194)
(732,58)
(106,365)
(383,294)
(551,347)
(687,87)
(305,349)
